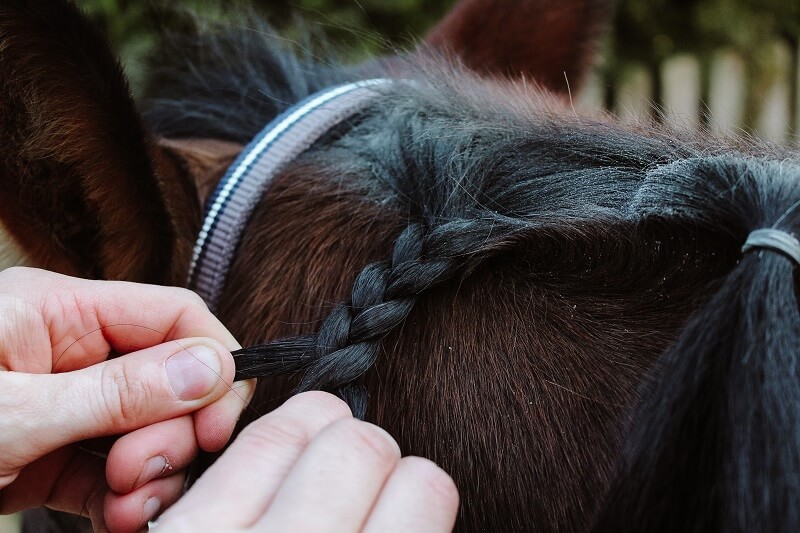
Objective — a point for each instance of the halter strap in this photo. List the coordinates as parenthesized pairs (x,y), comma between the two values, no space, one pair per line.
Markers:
(229,207)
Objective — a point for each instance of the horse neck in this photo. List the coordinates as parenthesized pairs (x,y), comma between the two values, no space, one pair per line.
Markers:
(503,377)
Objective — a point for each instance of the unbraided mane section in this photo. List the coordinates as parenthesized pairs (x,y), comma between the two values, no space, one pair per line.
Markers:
(384,293)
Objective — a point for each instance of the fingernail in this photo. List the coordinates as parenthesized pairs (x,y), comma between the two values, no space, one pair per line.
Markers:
(150,509)
(193,372)
(154,467)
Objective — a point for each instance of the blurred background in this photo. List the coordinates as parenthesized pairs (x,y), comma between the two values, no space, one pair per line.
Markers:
(727,64)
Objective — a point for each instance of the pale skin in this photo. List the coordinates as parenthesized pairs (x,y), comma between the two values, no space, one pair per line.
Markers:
(307,466)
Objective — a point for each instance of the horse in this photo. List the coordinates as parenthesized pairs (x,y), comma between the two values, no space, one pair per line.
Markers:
(591,326)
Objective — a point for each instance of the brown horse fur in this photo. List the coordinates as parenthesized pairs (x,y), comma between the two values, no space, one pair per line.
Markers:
(518,374)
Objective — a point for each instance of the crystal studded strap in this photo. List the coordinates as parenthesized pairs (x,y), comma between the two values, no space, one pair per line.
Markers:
(232,202)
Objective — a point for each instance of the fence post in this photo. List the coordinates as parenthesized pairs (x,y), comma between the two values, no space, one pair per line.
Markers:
(727,95)
(774,116)
(797,94)
(633,97)
(593,93)
(681,90)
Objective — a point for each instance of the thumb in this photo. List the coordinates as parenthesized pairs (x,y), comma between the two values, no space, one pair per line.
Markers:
(127,393)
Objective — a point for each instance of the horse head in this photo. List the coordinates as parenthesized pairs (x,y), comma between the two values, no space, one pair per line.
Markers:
(553,306)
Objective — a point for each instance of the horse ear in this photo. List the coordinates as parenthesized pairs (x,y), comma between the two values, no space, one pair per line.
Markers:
(550,41)
(80,184)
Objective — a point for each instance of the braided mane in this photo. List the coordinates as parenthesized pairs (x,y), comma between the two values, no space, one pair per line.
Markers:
(383,294)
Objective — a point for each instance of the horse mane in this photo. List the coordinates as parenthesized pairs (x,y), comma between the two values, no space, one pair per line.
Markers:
(627,238)
(195,89)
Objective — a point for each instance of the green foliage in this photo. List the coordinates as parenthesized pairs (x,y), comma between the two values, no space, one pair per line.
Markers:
(650,31)
(397,22)
(363,26)
(645,31)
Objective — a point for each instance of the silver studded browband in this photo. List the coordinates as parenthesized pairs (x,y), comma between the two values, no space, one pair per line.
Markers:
(229,207)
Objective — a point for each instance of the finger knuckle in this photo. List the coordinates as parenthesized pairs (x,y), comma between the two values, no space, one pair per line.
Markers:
(433,480)
(269,432)
(190,299)
(365,438)
(14,273)
(22,273)
(14,278)
(124,394)
(332,407)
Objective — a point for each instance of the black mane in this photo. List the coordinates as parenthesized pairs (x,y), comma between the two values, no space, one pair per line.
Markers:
(228,83)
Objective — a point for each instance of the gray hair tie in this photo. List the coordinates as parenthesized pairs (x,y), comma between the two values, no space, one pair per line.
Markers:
(774,240)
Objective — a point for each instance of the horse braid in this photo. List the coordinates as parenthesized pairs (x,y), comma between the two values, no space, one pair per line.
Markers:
(384,293)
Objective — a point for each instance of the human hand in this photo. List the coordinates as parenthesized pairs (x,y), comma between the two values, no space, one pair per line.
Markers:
(170,395)
(310,466)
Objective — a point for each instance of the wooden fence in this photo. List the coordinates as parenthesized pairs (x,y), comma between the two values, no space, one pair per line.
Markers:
(720,92)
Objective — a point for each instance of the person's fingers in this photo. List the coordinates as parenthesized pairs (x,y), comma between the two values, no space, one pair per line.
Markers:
(336,481)
(419,496)
(70,480)
(249,473)
(82,493)
(214,424)
(24,339)
(131,512)
(36,482)
(84,320)
(115,397)
(73,480)
(152,452)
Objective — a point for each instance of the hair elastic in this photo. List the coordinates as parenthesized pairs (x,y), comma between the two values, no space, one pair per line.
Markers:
(774,240)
